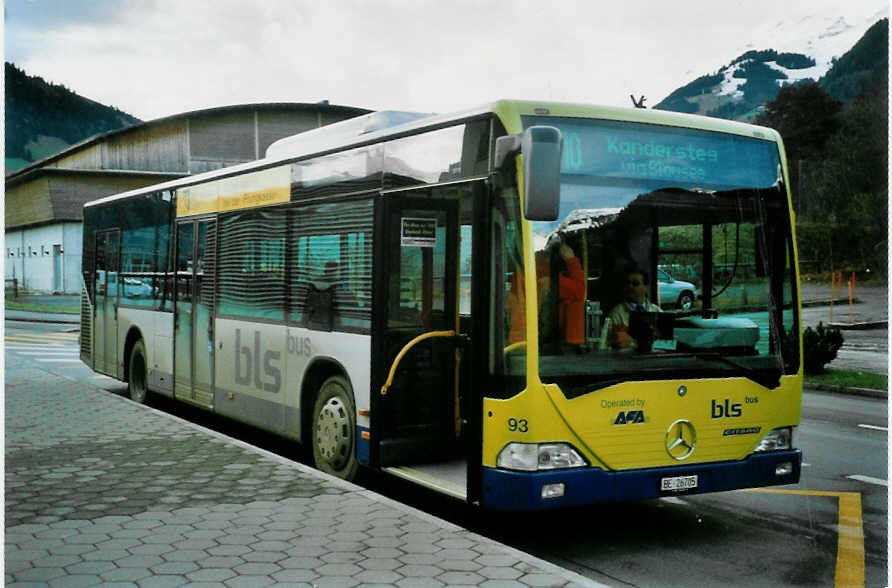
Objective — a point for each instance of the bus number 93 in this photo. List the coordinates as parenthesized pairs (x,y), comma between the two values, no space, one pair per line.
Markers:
(520,425)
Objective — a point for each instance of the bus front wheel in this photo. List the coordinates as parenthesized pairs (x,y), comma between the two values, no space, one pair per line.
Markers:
(136,385)
(334,429)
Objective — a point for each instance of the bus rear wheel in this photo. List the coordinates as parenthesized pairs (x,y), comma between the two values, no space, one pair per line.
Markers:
(136,385)
(334,429)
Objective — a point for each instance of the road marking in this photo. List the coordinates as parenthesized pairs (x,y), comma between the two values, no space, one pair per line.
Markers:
(850,533)
(874,427)
(65,352)
(57,360)
(868,480)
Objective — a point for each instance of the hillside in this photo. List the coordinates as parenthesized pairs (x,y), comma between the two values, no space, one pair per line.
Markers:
(866,62)
(740,89)
(43,118)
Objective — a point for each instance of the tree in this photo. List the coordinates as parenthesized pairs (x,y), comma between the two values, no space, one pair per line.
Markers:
(805,116)
(850,185)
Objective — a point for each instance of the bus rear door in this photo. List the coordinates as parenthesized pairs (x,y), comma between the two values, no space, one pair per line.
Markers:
(105,327)
(193,331)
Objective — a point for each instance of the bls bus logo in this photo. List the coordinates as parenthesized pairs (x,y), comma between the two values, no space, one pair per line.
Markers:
(726,410)
(629,418)
(245,357)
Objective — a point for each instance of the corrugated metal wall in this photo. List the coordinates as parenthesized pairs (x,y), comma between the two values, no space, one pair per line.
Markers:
(202,142)
(69,193)
(220,139)
(29,203)
(274,125)
(156,148)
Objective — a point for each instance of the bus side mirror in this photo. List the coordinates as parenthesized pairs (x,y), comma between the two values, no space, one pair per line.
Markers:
(541,148)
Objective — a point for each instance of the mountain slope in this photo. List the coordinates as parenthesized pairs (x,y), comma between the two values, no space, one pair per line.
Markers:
(739,89)
(43,118)
(866,61)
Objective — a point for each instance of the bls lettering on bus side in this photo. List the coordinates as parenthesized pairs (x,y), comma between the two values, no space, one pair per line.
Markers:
(726,410)
(300,346)
(248,358)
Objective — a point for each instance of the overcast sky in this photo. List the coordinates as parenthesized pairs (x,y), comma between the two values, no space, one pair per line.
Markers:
(154,58)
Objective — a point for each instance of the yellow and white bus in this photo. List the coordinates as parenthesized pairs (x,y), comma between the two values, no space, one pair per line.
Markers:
(449,299)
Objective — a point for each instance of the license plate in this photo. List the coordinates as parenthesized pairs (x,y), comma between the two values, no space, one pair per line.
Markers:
(678,483)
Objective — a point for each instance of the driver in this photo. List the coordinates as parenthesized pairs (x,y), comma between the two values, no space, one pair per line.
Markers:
(635,299)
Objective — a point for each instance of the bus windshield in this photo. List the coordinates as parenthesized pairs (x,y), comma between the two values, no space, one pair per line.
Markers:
(671,257)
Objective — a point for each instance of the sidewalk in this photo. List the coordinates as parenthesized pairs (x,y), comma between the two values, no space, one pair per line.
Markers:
(101,490)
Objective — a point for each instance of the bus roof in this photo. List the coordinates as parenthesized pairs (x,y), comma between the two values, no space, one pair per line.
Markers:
(377,126)
(512,111)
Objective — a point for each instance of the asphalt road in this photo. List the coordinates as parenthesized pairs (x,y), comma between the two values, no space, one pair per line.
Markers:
(737,538)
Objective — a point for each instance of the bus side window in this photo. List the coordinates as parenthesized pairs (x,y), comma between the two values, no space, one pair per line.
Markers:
(330,285)
(251,272)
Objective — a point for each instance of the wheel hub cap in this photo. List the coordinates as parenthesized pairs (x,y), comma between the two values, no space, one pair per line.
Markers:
(333,433)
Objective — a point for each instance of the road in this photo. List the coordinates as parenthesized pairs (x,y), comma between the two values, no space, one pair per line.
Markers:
(734,538)
(862,350)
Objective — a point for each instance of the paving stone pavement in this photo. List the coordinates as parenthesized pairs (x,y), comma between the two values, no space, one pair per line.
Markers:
(102,491)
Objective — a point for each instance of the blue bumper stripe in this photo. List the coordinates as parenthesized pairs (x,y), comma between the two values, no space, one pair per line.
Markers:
(508,490)
(362,446)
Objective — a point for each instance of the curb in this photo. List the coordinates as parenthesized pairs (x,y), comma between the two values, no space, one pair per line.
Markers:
(884,324)
(828,301)
(67,319)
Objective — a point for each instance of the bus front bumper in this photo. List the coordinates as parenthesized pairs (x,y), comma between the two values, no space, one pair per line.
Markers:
(511,490)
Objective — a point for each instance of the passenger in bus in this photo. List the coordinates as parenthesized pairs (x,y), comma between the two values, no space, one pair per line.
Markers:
(571,300)
(635,291)
(571,290)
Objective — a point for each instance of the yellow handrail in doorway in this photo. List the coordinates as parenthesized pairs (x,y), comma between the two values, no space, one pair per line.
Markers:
(406,349)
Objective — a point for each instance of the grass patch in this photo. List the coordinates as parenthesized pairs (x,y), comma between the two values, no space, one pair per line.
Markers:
(850,379)
(34,307)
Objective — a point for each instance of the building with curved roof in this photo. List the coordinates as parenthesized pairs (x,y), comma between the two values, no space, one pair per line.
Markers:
(44,201)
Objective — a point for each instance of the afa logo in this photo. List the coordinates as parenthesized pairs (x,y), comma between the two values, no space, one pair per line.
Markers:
(629,417)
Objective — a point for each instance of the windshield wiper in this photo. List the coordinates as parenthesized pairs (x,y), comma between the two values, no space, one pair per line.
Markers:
(769,379)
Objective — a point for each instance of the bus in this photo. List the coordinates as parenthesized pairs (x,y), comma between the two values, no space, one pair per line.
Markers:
(440,298)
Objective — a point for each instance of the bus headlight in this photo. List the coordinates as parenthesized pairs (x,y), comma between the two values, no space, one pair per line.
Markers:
(531,457)
(776,439)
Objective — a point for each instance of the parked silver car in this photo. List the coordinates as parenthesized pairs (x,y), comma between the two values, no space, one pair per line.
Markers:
(675,292)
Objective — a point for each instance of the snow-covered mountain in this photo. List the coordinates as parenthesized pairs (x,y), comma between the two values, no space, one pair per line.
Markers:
(781,53)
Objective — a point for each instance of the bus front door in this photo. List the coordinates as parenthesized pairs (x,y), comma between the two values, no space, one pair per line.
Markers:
(414,418)
(193,331)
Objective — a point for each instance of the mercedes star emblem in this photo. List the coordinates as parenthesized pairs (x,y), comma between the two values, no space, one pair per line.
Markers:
(681,437)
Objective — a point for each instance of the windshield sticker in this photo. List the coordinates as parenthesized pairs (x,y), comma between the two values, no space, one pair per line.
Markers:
(418,232)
